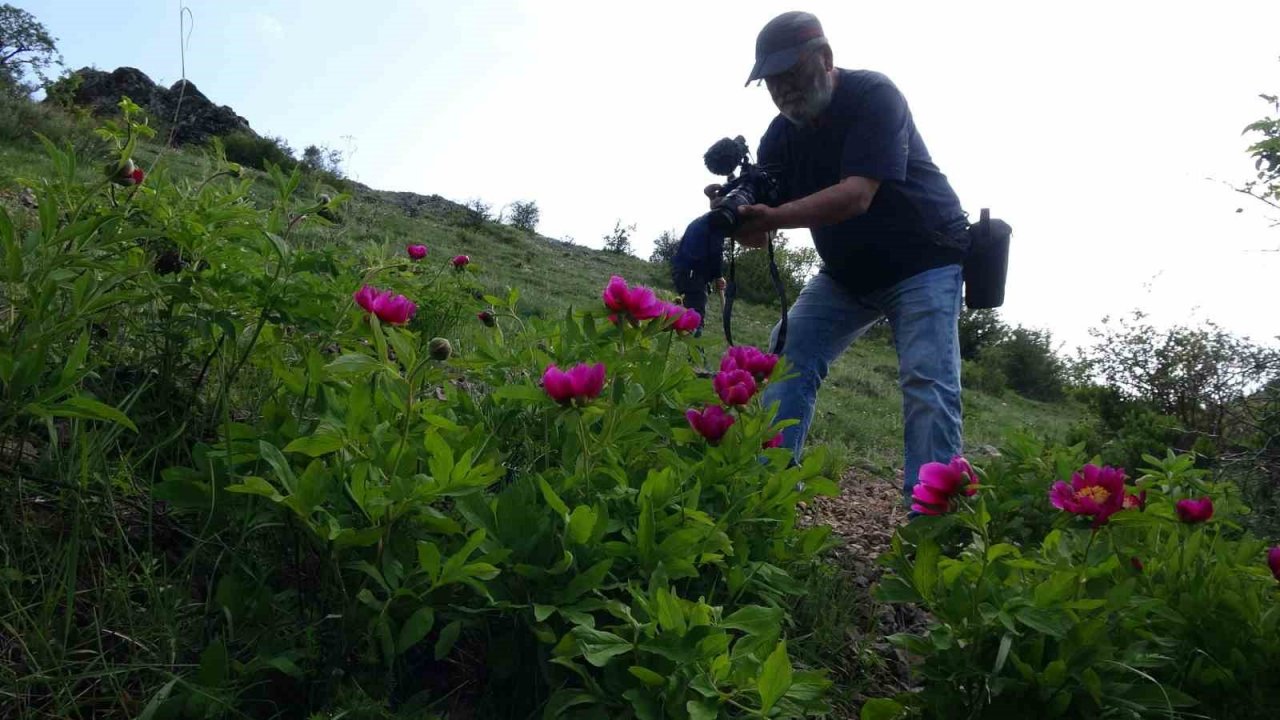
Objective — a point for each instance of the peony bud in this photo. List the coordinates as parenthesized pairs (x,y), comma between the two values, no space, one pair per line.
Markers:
(440,349)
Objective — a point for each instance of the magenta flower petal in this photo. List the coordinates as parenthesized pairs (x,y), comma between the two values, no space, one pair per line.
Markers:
(1194,511)
(734,387)
(925,509)
(687,322)
(557,384)
(712,423)
(460,261)
(615,294)
(928,494)
(364,297)
(1273,561)
(416,252)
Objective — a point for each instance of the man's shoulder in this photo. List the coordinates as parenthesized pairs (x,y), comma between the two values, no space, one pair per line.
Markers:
(857,84)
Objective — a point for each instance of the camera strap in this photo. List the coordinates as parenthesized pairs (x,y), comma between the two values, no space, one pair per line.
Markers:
(731,292)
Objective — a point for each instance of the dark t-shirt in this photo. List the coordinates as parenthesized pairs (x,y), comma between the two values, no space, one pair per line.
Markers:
(915,222)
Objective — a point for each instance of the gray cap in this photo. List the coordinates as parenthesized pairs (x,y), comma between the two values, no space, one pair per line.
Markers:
(781,43)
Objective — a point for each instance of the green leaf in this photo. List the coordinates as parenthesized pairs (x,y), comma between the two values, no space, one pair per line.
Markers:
(1049,622)
(1093,683)
(598,646)
(563,700)
(755,620)
(702,709)
(213,665)
(157,700)
(647,676)
(1002,654)
(519,392)
(1055,673)
(553,499)
(354,364)
(277,461)
(448,636)
(83,406)
(581,523)
(254,485)
(775,678)
(588,579)
(182,493)
(924,575)
(670,614)
(542,612)
(415,628)
(315,445)
(882,709)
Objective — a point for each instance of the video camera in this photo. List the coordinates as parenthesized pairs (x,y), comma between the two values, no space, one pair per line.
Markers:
(699,258)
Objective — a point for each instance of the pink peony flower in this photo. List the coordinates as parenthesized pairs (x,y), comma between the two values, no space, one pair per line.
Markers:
(393,309)
(1194,511)
(1135,502)
(687,321)
(460,262)
(578,385)
(1273,561)
(1136,563)
(734,387)
(712,423)
(365,296)
(136,176)
(939,483)
(639,303)
(416,252)
(773,442)
(1094,491)
(487,318)
(751,359)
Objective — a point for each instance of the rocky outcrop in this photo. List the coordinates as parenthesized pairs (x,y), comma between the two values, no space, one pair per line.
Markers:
(197,117)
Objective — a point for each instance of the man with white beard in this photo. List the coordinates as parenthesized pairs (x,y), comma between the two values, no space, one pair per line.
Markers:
(885,222)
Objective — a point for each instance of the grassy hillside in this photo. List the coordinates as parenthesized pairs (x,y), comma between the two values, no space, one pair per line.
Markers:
(859,410)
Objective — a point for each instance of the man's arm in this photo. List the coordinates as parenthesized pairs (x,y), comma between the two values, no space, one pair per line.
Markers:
(846,199)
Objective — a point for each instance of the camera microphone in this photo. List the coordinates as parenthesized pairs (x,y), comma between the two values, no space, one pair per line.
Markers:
(725,155)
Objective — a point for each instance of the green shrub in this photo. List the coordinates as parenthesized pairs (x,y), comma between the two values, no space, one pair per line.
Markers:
(257,151)
(21,119)
(297,507)
(1139,616)
(984,376)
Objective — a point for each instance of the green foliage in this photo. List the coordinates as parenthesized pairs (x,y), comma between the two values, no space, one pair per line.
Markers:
(979,330)
(305,511)
(26,48)
(1265,151)
(1031,608)
(664,248)
(21,120)
(1029,364)
(258,151)
(524,215)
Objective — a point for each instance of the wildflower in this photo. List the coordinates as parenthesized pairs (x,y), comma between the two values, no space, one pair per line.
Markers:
(746,357)
(734,387)
(1136,563)
(460,262)
(487,318)
(440,349)
(712,423)
(681,319)
(1094,491)
(773,442)
(1135,502)
(1273,561)
(578,385)
(1194,511)
(388,306)
(416,252)
(125,173)
(939,483)
(639,303)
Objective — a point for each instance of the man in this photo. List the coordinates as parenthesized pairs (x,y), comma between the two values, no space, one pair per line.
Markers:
(888,227)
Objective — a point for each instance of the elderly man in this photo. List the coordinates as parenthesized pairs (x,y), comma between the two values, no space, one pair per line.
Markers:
(888,227)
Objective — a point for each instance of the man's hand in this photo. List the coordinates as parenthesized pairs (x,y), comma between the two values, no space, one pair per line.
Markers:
(755,222)
(712,192)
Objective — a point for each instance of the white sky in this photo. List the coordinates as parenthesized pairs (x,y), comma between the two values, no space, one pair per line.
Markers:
(1102,131)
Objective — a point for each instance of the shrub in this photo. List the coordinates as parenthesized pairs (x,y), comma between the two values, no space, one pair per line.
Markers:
(986,377)
(524,215)
(305,495)
(1029,364)
(257,151)
(1151,612)
(755,283)
(618,240)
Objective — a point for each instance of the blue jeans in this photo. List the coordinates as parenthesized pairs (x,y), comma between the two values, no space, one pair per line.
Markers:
(923,312)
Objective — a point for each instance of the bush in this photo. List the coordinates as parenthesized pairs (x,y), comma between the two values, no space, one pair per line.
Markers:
(664,248)
(257,151)
(979,330)
(304,501)
(524,215)
(618,241)
(986,377)
(1029,364)
(21,119)
(1034,608)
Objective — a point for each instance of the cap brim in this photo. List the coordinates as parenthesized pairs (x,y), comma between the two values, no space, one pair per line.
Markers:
(774,63)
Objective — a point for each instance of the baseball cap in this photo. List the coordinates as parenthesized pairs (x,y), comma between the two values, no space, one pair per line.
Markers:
(781,43)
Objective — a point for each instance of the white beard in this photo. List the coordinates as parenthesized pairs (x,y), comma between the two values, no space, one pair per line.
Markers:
(814,101)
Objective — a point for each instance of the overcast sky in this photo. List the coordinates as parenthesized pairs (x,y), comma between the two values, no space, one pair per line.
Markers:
(1106,133)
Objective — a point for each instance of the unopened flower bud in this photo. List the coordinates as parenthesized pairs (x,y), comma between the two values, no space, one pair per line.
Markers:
(440,349)
(487,318)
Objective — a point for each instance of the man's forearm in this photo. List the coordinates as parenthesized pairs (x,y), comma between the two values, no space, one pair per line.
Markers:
(825,207)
